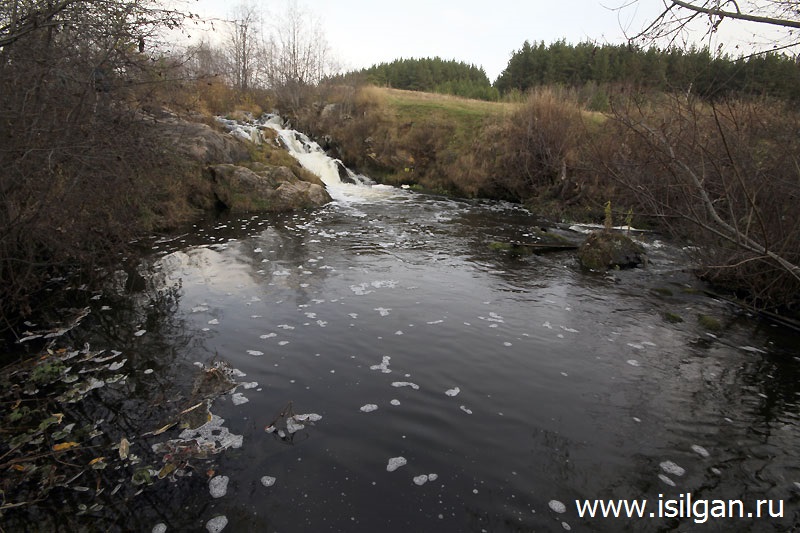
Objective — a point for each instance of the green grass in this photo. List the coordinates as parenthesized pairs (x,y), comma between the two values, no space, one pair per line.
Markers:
(465,115)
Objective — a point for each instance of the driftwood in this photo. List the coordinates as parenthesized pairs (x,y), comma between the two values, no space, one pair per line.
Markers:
(546,247)
(536,248)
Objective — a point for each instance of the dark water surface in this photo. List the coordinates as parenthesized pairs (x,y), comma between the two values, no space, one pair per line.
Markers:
(534,382)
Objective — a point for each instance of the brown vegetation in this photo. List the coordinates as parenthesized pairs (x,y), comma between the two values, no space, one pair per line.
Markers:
(725,176)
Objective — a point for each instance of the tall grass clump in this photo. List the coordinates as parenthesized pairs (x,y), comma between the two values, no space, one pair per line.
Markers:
(530,153)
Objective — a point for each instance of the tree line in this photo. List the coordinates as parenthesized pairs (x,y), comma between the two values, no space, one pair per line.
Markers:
(697,69)
(433,75)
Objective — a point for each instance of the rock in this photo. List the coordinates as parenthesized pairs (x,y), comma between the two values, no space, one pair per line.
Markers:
(344,175)
(603,250)
(199,142)
(241,189)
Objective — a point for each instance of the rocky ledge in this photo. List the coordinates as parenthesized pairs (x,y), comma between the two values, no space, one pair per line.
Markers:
(231,177)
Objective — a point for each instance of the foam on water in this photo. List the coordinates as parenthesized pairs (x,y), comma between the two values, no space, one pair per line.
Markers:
(268,481)
(384,366)
(238,398)
(405,384)
(369,408)
(672,468)
(395,463)
(452,392)
(699,450)
(666,480)
(218,486)
(217,524)
(557,506)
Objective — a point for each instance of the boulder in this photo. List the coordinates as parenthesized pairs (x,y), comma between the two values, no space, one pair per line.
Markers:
(603,250)
(241,189)
(200,143)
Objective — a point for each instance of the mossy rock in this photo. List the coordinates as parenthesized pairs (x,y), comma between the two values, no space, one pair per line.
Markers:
(709,322)
(673,318)
(605,250)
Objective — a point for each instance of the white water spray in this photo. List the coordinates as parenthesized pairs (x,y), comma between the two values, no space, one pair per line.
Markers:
(342,184)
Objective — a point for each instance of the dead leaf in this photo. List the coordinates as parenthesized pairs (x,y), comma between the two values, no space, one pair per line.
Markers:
(192,408)
(124,448)
(159,431)
(166,470)
(96,460)
(64,446)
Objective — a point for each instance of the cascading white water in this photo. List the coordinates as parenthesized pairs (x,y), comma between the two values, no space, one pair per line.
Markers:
(342,184)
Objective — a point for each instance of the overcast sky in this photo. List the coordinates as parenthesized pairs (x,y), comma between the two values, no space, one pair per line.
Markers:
(361,33)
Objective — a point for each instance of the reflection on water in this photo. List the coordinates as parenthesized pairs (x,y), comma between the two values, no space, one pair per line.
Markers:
(506,384)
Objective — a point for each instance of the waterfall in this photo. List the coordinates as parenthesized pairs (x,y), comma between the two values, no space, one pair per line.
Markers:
(343,184)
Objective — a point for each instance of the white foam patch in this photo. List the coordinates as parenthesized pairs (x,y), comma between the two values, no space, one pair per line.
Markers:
(140,333)
(383,311)
(384,366)
(269,335)
(238,398)
(672,468)
(557,506)
(255,353)
(465,409)
(421,480)
(547,325)
(699,450)
(405,384)
(751,349)
(199,309)
(360,290)
(268,481)
(452,392)
(217,524)
(368,408)
(666,480)
(161,527)
(395,402)
(218,486)
(633,362)
(213,432)
(213,321)
(395,463)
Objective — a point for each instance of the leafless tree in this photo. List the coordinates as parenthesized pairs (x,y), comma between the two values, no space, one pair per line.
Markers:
(681,16)
(243,44)
(71,144)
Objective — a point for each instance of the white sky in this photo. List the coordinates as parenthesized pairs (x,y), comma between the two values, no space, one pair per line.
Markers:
(361,33)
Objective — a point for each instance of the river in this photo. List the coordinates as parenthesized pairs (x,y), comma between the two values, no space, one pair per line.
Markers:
(456,388)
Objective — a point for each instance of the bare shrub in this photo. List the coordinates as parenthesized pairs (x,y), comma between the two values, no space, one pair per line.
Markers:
(527,154)
(725,175)
(81,171)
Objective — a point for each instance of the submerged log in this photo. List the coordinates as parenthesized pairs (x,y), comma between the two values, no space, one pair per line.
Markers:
(522,248)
